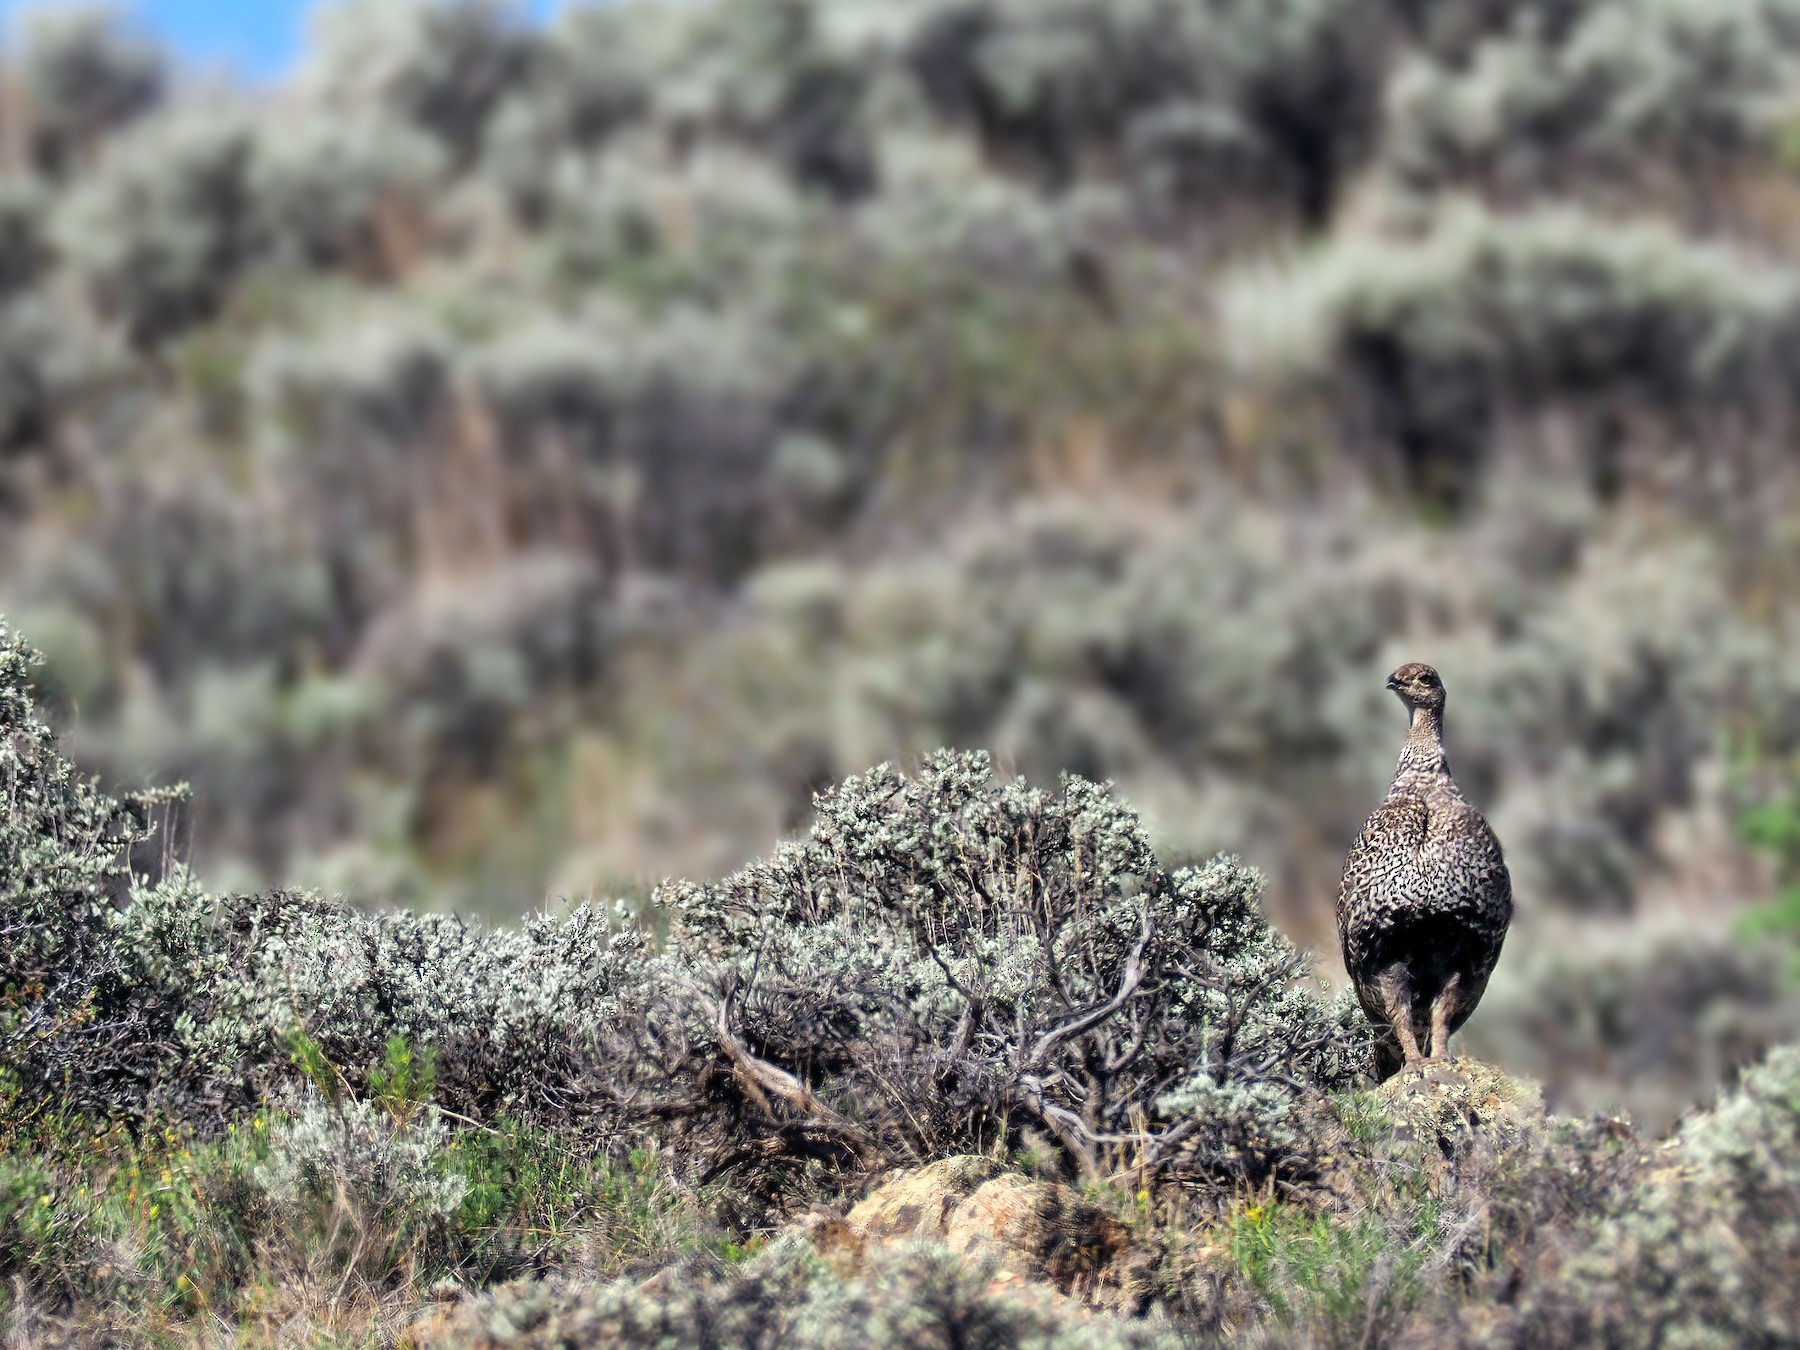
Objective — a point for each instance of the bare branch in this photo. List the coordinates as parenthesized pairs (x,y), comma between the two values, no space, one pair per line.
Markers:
(764,1080)
(1128,984)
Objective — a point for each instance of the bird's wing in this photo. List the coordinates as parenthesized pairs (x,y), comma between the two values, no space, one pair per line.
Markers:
(1466,855)
(1382,870)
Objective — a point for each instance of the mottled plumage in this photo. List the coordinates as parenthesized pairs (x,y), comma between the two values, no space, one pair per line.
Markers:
(1426,898)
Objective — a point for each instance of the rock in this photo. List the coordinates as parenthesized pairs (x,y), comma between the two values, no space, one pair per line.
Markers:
(1452,1103)
(918,1203)
(839,1245)
(1039,1232)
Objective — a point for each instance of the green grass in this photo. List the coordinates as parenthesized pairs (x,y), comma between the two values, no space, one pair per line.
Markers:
(1774,829)
(96,1219)
(88,1211)
(1362,1116)
(1332,1276)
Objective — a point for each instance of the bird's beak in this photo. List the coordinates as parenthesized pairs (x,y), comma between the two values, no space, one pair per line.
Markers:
(1392,683)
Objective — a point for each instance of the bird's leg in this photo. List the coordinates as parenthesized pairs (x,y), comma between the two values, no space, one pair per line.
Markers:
(1443,1008)
(1396,1002)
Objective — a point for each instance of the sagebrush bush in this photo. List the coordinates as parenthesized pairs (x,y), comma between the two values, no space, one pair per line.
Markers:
(443,67)
(29,382)
(341,193)
(1015,960)
(86,73)
(1698,1255)
(24,234)
(921,1296)
(649,443)
(384,1176)
(361,416)
(71,1031)
(1436,340)
(163,227)
(515,1019)
(1567,94)
(715,227)
(1280,98)
(127,995)
(467,673)
(795,77)
(950,964)
(591,78)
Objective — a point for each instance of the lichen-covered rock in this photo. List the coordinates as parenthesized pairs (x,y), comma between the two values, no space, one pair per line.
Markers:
(1044,1231)
(918,1203)
(1031,1232)
(1452,1103)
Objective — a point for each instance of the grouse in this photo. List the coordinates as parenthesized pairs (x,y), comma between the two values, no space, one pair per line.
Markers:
(1426,898)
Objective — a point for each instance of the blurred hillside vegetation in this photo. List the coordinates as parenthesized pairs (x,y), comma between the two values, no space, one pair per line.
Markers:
(507,462)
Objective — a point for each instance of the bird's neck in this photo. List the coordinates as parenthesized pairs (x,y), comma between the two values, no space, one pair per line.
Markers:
(1422,757)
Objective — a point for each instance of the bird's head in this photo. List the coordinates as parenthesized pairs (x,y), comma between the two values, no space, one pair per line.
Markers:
(1418,686)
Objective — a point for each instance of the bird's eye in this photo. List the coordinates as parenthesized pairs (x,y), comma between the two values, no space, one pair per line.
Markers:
(1428,680)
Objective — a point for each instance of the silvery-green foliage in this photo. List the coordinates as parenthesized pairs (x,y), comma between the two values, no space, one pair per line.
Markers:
(1039,82)
(1548,102)
(86,73)
(513,1015)
(1537,303)
(1170,656)
(1435,338)
(911,1295)
(1700,1257)
(231,615)
(351,1149)
(633,78)
(147,994)
(24,233)
(441,65)
(462,668)
(30,338)
(594,75)
(949,218)
(377,381)
(793,77)
(1621,703)
(1645,1021)
(949,963)
(329,181)
(661,432)
(1279,97)
(714,226)
(160,229)
(199,570)
(71,1026)
(597,62)
(356,416)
